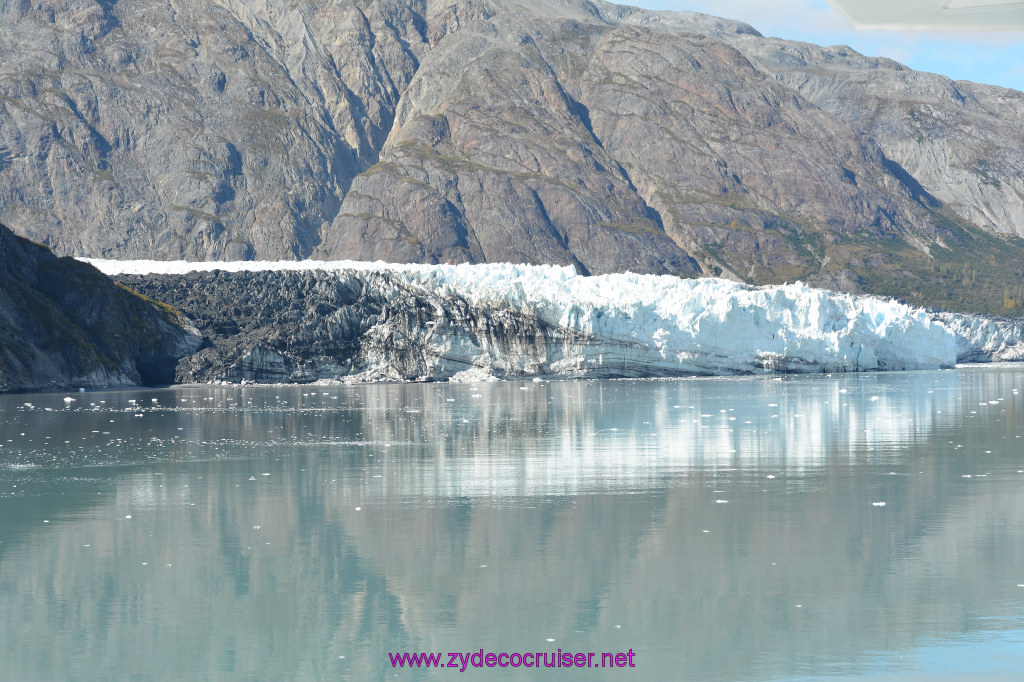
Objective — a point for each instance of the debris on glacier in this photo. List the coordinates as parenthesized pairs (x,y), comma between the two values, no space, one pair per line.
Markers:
(557,323)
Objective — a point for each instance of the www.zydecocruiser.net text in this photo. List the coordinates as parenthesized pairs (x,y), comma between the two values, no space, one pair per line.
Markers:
(463,660)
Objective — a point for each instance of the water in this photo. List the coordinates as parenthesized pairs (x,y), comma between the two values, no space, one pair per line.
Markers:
(725,529)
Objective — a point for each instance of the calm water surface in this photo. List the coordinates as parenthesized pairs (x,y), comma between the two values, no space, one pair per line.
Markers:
(726,529)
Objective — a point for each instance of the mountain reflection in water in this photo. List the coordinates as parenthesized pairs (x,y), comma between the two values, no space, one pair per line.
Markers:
(723,529)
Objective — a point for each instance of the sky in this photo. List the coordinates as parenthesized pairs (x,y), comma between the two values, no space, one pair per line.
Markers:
(994,57)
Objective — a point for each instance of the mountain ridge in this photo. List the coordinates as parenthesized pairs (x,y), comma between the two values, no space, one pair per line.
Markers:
(569,132)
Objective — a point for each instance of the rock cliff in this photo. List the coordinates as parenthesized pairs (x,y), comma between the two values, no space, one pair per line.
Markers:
(63,324)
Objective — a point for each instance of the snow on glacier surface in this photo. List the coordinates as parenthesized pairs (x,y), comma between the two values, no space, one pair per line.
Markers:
(693,324)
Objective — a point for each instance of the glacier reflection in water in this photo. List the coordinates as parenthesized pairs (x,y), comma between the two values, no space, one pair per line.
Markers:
(723,529)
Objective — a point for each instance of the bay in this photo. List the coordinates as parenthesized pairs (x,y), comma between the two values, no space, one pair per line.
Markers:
(861,526)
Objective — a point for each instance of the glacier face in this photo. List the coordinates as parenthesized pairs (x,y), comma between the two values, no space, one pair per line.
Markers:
(554,322)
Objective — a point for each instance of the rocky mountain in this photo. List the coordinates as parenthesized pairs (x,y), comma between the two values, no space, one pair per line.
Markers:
(540,131)
(63,324)
(960,140)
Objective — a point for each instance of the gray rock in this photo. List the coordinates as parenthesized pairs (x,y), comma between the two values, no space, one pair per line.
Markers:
(571,132)
(960,140)
(220,130)
(63,324)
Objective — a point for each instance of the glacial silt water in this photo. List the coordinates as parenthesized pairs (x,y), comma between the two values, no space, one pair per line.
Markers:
(860,526)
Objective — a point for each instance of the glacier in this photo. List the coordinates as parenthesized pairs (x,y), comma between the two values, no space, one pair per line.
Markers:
(570,325)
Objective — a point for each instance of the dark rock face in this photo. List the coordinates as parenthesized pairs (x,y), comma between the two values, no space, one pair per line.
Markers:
(63,324)
(292,327)
(551,131)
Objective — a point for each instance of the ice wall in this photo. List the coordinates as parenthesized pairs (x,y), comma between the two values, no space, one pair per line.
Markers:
(636,325)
